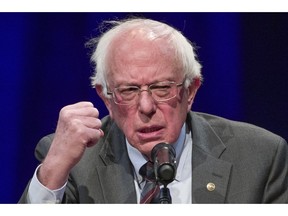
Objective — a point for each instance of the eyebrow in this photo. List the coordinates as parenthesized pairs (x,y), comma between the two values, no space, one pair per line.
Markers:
(135,84)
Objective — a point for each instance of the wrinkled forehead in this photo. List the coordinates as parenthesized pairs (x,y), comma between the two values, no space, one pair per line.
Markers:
(141,41)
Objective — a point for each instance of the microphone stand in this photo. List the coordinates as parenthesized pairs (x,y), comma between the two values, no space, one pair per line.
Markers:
(165,197)
(163,156)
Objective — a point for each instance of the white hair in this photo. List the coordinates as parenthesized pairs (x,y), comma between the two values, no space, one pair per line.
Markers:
(183,48)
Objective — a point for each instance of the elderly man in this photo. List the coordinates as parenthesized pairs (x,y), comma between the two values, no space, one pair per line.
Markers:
(147,74)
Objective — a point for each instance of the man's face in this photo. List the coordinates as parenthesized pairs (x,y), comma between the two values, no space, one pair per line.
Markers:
(145,123)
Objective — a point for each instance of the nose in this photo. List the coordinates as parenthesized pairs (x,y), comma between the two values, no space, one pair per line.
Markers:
(146,103)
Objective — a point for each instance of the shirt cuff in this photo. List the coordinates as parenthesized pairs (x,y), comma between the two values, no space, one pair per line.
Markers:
(38,193)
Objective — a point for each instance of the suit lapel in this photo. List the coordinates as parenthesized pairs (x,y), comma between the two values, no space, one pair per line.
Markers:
(116,175)
(118,188)
(210,176)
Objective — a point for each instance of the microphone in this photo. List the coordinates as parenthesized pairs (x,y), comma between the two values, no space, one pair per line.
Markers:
(163,156)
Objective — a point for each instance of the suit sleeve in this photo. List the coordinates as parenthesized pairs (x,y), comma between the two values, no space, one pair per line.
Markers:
(276,190)
(40,153)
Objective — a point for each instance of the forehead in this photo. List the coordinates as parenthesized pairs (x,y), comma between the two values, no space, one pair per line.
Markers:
(140,44)
(135,56)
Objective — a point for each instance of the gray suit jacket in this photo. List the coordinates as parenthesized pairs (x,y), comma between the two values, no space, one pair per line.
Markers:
(247,164)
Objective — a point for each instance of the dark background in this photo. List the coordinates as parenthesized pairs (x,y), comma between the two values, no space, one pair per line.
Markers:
(44,66)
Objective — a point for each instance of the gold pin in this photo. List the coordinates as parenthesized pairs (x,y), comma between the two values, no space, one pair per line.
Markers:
(211,186)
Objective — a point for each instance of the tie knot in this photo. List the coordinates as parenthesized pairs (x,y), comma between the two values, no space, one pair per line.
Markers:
(147,171)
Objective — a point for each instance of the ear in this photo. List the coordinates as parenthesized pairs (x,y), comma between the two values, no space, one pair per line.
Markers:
(107,101)
(192,90)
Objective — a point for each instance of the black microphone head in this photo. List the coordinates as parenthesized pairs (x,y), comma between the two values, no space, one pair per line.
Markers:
(163,155)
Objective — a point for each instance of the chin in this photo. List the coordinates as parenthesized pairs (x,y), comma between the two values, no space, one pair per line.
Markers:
(147,147)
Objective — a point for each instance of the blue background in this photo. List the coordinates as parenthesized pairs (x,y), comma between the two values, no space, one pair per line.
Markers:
(44,66)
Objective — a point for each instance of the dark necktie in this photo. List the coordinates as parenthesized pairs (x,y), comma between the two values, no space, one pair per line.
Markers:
(150,192)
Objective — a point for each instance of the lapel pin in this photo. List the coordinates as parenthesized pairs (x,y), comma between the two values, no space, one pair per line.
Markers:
(210,186)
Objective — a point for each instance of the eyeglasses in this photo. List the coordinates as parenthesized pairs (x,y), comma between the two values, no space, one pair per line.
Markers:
(160,92)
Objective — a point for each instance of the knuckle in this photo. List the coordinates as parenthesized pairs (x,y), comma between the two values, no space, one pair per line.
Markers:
(94,112)
(99,122)
(65,113)
(75,124)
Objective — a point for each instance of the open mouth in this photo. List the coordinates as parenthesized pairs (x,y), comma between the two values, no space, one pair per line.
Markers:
(150,133)
(150,129)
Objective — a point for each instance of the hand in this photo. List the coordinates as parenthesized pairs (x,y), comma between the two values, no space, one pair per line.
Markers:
(78,128)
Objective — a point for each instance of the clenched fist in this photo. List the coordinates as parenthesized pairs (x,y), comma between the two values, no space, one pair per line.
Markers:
(78,128)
